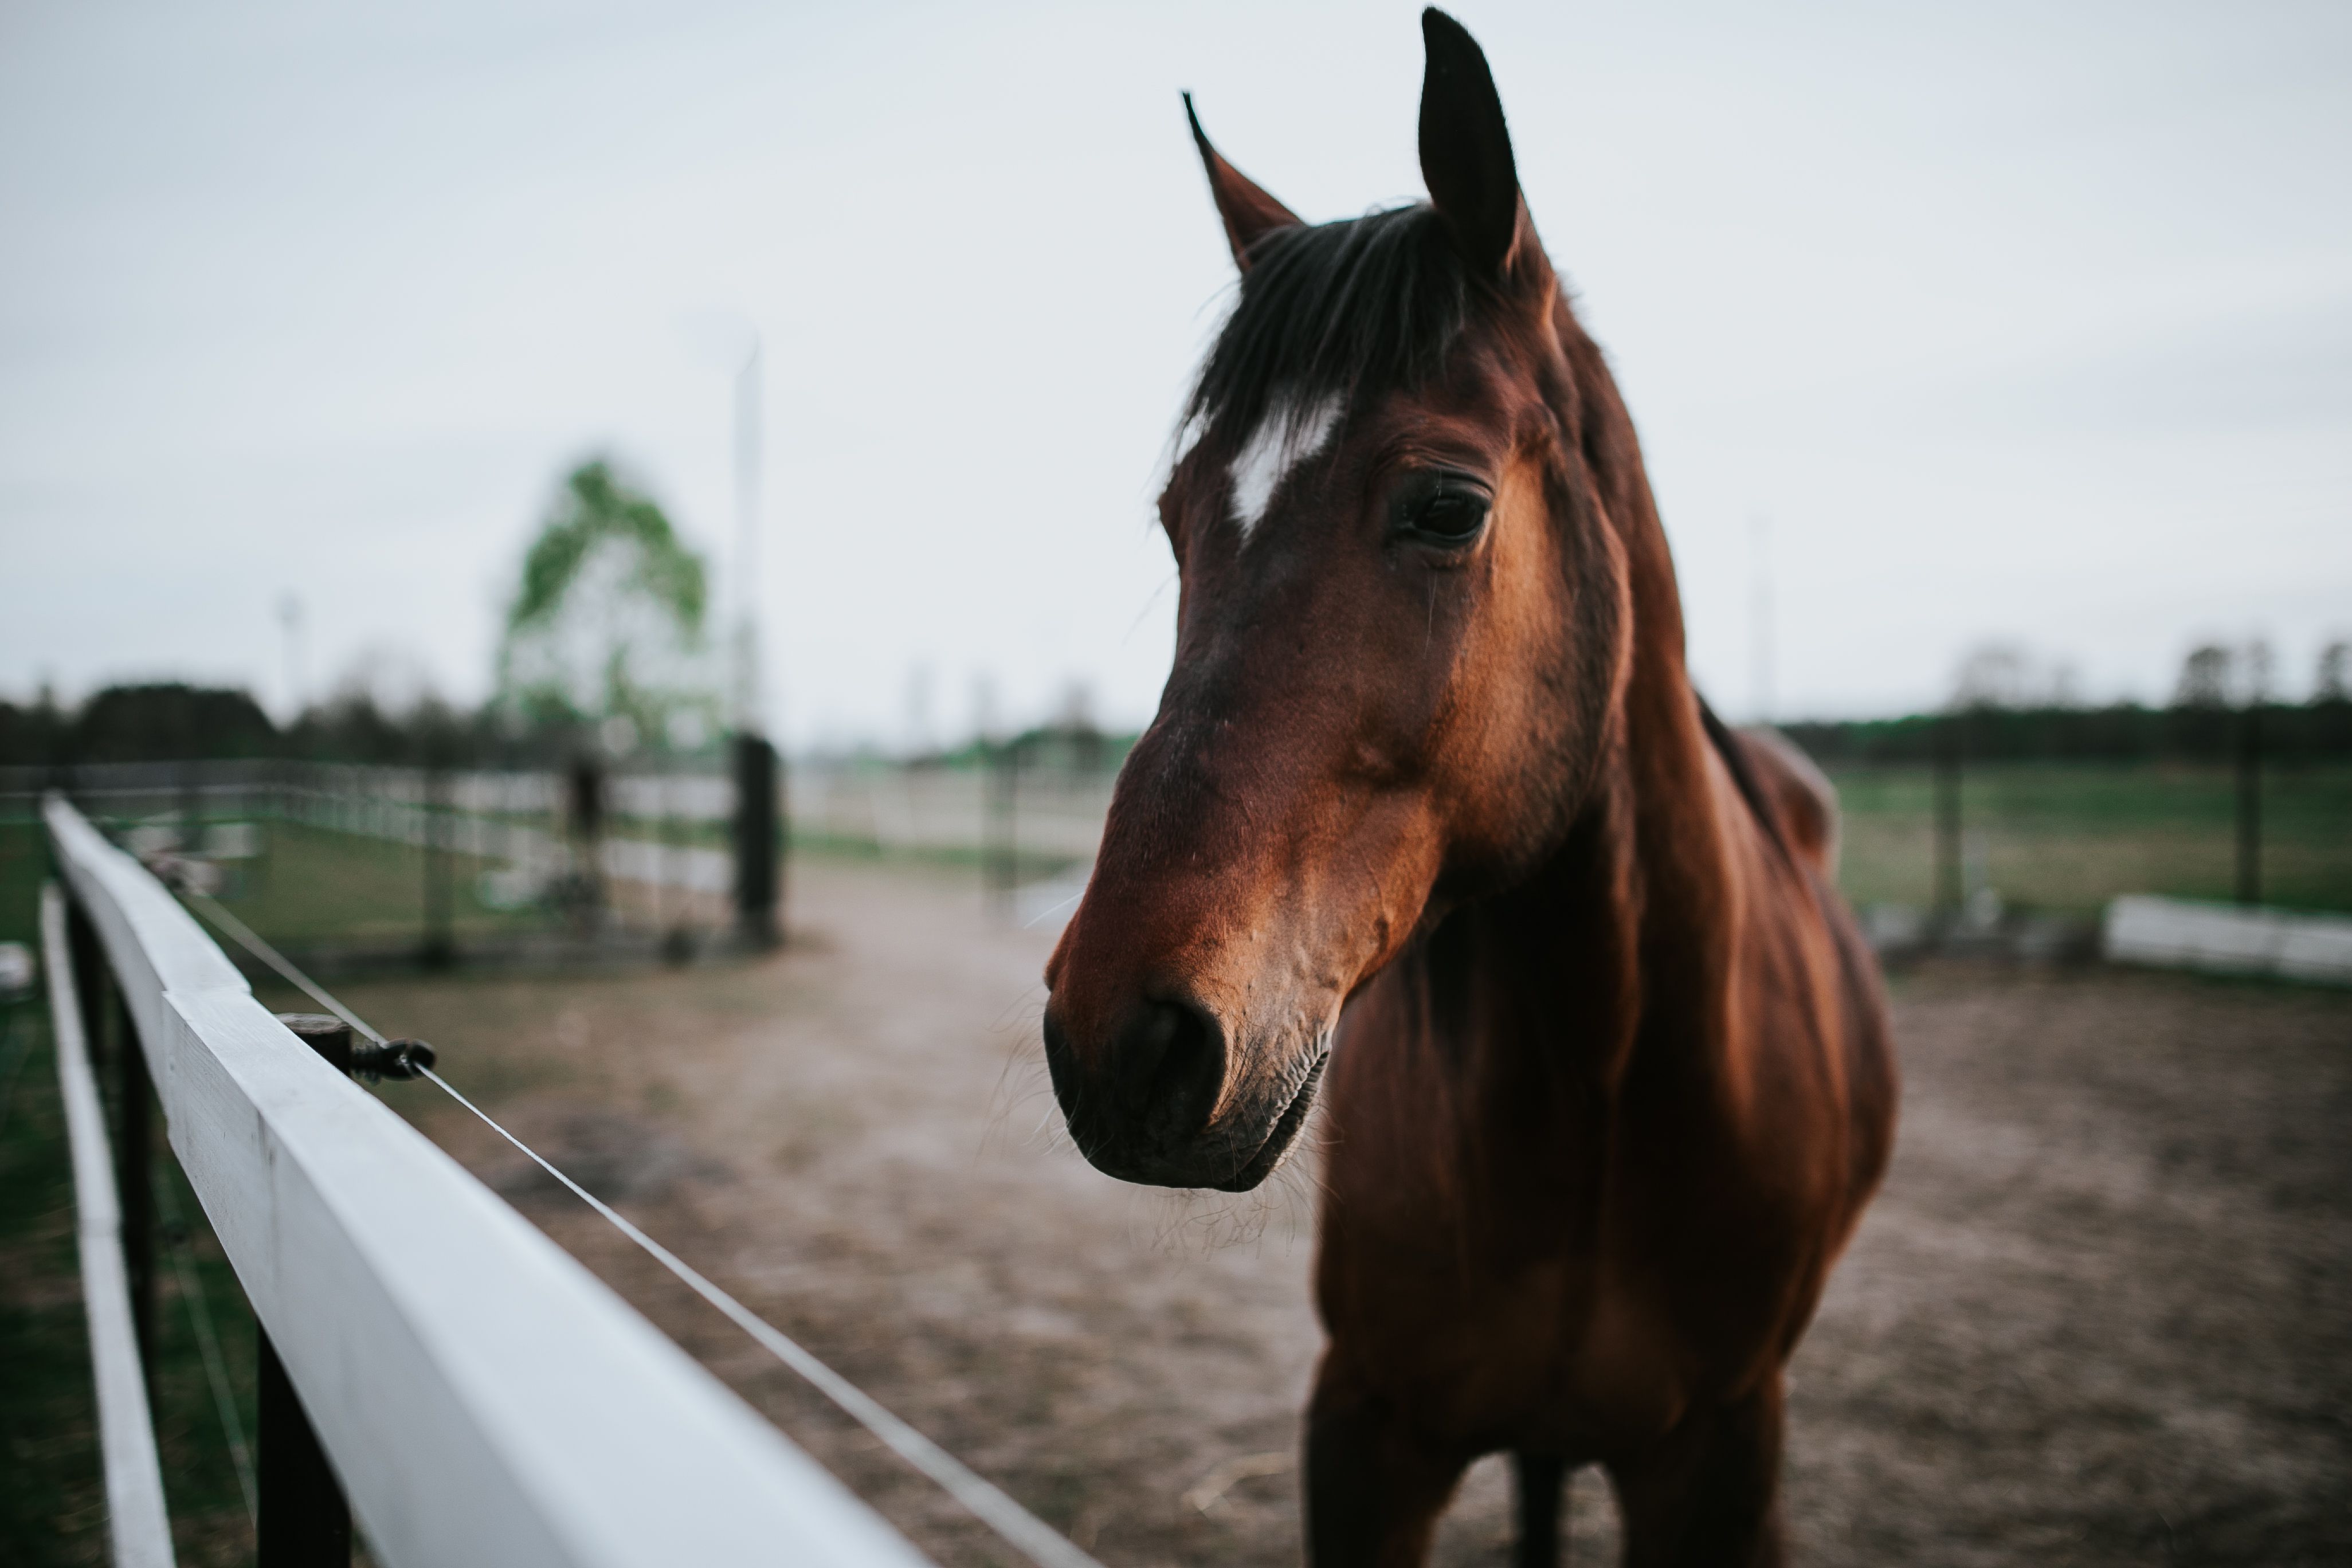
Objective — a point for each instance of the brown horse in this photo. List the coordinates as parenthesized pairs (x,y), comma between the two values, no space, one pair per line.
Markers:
(1430,798)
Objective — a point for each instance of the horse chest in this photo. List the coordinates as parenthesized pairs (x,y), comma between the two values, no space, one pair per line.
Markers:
(1557,1351)
(1533,1301)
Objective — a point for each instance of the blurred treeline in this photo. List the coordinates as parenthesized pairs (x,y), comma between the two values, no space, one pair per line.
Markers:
(173,722)
(2126,732)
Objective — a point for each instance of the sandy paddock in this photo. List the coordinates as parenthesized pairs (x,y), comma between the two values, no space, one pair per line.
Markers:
(2103,1313)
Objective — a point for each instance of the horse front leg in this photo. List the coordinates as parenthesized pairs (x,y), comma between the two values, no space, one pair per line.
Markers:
(1374,1487)
(1707,1495)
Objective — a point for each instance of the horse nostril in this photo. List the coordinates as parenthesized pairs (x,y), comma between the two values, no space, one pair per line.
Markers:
(1173,1060)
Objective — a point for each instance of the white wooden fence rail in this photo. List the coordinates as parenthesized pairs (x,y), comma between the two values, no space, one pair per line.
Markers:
(2181,934)
(484,1399)
(139,1531)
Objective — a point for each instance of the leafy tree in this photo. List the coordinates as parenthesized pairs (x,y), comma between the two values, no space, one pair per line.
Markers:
(2333,682)
(608,625)
(2002,675)
(35,735)
(169,722)
(2215,675)
(2206,678)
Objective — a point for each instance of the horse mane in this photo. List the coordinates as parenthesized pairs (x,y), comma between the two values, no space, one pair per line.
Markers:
(1353,310)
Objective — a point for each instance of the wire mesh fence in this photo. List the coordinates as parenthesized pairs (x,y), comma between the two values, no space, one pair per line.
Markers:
(352,865)
(2068,837)
(349,863)
(356,864)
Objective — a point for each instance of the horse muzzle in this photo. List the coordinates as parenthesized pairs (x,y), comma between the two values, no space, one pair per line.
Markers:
(1159,1101)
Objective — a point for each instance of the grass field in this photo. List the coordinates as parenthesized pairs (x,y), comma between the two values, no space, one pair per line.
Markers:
(2069,836)
(23,863)
(312,884)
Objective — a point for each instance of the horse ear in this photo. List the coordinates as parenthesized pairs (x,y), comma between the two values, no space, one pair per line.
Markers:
(1248,212)
(1465,149)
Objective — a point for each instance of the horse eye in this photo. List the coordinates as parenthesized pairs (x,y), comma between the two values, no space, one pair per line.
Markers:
(1448,515)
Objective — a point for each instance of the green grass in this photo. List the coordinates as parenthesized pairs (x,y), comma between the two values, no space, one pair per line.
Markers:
(1028,865)
(312,885)
(52,1497)
(23,865)
(52,1501)
(2069,836)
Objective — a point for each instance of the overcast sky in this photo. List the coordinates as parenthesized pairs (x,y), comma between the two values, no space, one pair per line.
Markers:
(2028,322)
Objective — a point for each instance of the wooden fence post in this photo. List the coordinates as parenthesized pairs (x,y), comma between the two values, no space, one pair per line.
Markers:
(306,1521)
(2250,805)
(440,896)
(758,921)
(1001,834)
(1948,890)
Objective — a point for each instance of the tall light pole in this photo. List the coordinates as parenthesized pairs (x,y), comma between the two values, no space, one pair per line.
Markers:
(1760,672)
(290,615)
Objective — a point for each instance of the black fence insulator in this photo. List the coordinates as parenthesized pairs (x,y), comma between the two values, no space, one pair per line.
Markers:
(395,1059)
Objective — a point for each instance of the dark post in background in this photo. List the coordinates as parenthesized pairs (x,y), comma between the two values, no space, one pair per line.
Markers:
(2250,805)
(759,874)
(584,827)
(1000,839)
(440,893)
(1947,819)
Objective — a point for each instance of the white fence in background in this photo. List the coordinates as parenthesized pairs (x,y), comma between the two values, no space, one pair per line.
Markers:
(2176,933)
(1053,812)
(483,1398)
(139,1529)
(515,815)
(359,808)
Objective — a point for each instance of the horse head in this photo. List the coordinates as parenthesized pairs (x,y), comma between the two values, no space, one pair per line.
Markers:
(1400,636)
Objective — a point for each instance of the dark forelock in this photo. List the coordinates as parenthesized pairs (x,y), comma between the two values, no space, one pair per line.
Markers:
(1357,309)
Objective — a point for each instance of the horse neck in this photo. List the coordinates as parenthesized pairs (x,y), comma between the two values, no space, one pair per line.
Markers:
(1640,898)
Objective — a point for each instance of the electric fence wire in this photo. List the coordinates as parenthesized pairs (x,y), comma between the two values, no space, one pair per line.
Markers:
(1016,1525)
(251,939)
(200,1313)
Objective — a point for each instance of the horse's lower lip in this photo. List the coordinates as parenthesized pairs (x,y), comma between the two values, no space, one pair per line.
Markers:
(1279,1137)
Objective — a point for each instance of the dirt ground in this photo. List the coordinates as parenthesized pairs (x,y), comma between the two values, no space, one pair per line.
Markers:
(2103,1313)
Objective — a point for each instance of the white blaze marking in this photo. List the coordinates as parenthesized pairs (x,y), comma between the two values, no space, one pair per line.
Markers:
(1284,439)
